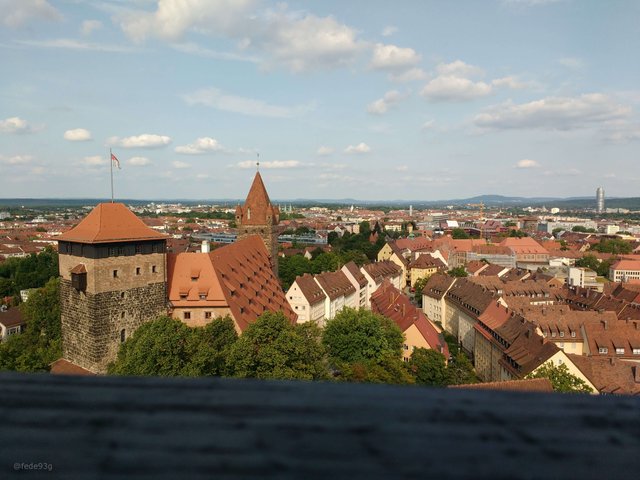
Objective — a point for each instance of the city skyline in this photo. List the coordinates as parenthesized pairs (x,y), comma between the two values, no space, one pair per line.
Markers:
(364,100)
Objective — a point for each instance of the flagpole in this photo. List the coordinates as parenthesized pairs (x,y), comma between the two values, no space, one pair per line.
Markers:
(111,164)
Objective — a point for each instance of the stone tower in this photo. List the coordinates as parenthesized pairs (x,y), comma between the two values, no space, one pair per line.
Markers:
(113,279)
(259,217)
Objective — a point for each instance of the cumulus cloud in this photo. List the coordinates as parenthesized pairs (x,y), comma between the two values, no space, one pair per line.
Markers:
(90,26)
(454,89)
(276,164)
(554,113)
(145,140)
(94,161)
(200,146)
(360,148)
(180,165)
(18,13)
(509,82)
(411,75)
(77,135)
(392,57)
(72,44)
(15,125)
(17,159)
(527,164)
(173,18)
(428,125)
(139,161)
(458,68)
(215,98)
(382,105)
(324,151)
(299,41)
(307,42)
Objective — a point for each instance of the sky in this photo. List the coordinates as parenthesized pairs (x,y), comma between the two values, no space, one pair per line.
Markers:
(365,99)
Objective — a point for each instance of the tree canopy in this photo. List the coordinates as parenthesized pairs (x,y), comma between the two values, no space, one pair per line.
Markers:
(32,271)
(40,344)
(459,234)
(429,367)
(561,379)
(168,347)
(273,348)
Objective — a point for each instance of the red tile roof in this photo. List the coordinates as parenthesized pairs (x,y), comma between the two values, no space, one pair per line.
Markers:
(310,289)
(11,318)
(393,304)
(110,222)
(528,385)
(65,367)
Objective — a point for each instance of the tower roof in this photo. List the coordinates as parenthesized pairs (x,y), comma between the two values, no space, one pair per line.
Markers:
(257,208)
(110,222)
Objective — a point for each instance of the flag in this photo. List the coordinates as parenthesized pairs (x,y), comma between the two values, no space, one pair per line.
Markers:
(115,160)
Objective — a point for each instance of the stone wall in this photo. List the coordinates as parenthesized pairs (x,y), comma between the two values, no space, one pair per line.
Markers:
(92,324)
(269,235)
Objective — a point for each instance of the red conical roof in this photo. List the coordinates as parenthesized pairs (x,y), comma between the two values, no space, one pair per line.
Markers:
(110,222)
(257,208)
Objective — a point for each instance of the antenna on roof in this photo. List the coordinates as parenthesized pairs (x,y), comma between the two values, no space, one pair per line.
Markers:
(258,162)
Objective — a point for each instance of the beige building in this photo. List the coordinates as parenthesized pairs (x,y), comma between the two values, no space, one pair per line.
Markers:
(307,299)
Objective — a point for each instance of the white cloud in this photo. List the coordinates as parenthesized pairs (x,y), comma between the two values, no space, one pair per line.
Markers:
(200,146)
(623,133)
(324,151)
(392,57)
(389,30)
(139,161)
(454,89)
(77,135)
(180,165)
(145,140)
(382,105)
(90,26)
(195,49)
(71,44)
(38,171)
(307,42)
(215,98)
(17,13)
(17,159)
(15,125)
(360,148)
(527,164)
(173,18)
(458,69)
(94,161)
(411,75)
(554,113)
(509,82)
(276,164)
(402,168)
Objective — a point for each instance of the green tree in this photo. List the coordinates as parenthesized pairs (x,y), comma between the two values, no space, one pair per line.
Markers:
(428,367)
(40,344)
(579,228)
(273,348)
(458,272)
(588,261)
(561,379)
(325,262)
(459,234)
(361,335)
(460,371)
(162,347)
(290,267)
(613,245)
(214,342)
(518,234)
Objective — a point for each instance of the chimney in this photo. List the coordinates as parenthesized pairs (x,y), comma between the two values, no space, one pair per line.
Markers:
(604,324)
(205,247)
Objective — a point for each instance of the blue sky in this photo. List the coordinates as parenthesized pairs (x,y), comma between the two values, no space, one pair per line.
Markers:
(375,100)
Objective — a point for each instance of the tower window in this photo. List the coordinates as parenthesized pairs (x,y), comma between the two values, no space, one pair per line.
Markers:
(207,315)
(123,335)
(122,315)
(137,270)
(154,269)
(187,315)
(121,294)
(115,274)
(138,249)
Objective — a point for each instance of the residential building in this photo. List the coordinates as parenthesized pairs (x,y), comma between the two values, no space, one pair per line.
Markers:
(624,271)
(584,278)
(307,299)
(11,322)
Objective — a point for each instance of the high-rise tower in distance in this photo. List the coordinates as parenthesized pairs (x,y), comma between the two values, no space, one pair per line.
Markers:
(599,200)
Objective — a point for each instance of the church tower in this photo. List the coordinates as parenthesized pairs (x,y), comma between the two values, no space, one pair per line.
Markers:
(113,279)
(259,217)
